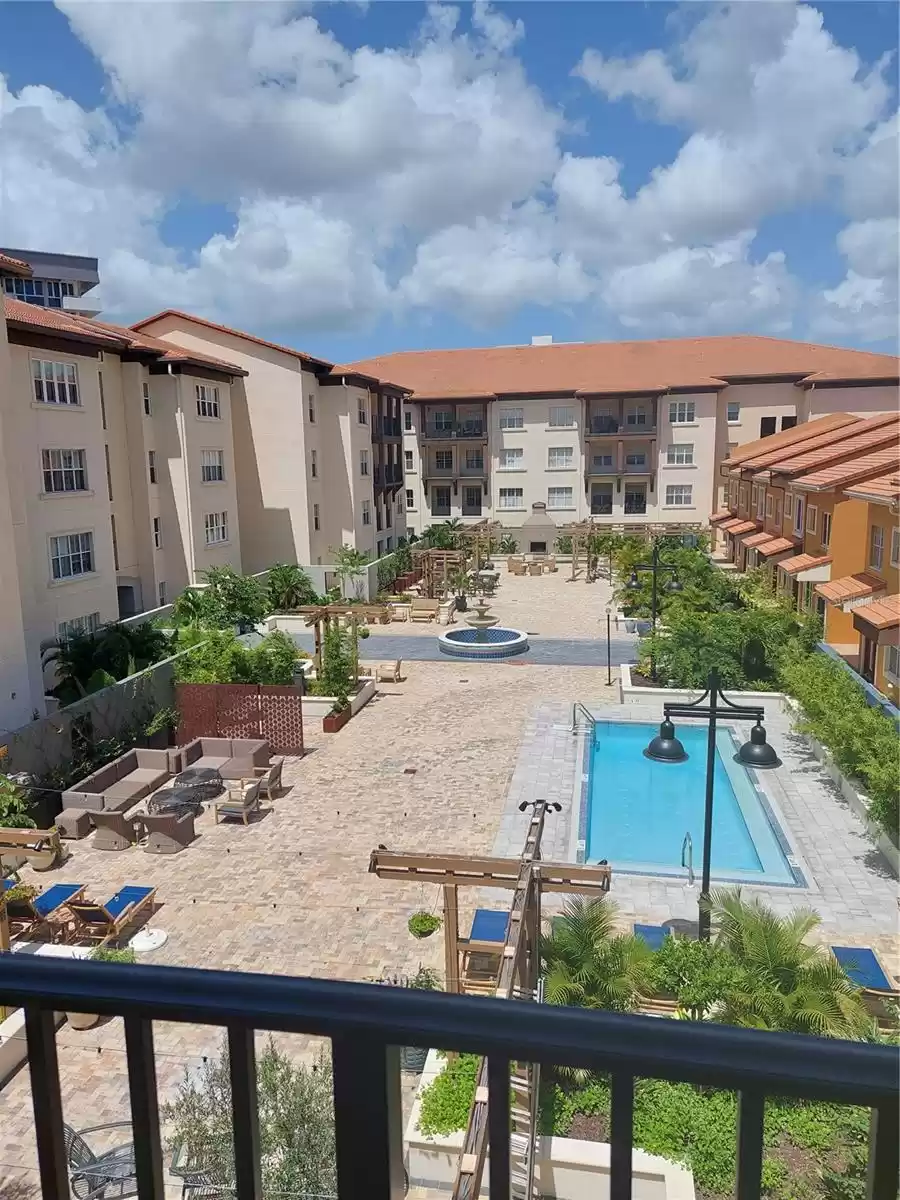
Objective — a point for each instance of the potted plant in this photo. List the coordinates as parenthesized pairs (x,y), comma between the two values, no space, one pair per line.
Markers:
(100,954)
(339,716)
(426,979)
(459,581)
(423,924)
(159,730)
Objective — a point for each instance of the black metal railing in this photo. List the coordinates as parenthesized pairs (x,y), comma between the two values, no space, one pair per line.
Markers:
(367,1024)
(458,429)
(600,425)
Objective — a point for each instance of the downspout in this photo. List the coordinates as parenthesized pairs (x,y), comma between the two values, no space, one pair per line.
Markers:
(182,437)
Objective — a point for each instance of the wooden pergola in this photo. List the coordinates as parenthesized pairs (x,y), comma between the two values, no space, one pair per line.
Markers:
(517,970)
(479,539)
(320,617)
(437,566)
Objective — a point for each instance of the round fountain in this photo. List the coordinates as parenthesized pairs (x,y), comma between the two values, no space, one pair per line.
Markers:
(485,639)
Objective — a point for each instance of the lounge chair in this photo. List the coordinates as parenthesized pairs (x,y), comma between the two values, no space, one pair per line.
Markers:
(388,672)
(862,967)
(102,922)
(240,802)
(31,916)
(424,610)
(270,781)
(168,832)
(653,935)
(115,831)
(482,949)
(109,1175)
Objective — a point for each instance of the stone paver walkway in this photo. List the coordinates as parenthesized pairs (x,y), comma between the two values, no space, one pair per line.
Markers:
(563,652)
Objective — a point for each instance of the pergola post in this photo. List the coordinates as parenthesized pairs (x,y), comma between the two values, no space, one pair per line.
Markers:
(451,938)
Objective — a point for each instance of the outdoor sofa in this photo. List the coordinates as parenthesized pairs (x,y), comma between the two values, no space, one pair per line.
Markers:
(233,758)
(121,783)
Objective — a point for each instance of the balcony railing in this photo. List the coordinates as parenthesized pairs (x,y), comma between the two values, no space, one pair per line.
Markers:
(600,426)
(603,425)
(367,1024)
(458,429)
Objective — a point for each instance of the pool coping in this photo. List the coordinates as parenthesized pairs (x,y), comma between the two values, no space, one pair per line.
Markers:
(769,803)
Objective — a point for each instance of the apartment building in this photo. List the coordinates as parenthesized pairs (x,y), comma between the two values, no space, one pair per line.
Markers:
(52,280)
(627,433)
(117,485)
(317,447)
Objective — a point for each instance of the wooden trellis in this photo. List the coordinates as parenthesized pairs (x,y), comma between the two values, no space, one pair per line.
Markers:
(480,539)
(320,617)
(436,567)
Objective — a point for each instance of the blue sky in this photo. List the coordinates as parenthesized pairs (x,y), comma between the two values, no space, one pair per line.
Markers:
(357,179)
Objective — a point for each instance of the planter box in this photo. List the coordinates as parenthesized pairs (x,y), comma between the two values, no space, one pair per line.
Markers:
(658,695)
(318,707)
(332,722)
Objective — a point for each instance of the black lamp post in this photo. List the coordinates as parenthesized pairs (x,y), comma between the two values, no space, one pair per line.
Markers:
(655,566)
(666,748)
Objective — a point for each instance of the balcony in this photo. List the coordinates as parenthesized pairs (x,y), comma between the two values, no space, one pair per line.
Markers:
(602,426)
(450,431)
(610,427)
(367,1024)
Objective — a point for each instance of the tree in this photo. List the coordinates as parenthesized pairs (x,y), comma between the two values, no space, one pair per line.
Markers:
(350,564)
(785,984)
(189,610)
(289,587)
(232,599)
(87,662)
(588,965)
(296,1123)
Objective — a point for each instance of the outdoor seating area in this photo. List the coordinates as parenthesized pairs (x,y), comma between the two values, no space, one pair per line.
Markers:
(63,914)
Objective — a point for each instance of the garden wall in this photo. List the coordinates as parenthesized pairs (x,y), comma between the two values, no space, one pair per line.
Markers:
(242,710)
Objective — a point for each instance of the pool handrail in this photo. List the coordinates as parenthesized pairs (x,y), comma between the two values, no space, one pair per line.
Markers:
(688,845)
(579,707)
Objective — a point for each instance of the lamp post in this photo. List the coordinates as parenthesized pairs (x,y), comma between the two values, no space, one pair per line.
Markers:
(655,566)
(757,753)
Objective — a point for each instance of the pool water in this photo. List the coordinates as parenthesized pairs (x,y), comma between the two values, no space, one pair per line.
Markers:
(639,810)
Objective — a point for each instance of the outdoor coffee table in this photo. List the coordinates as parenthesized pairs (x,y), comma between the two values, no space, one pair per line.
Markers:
(174,800)
(202,783)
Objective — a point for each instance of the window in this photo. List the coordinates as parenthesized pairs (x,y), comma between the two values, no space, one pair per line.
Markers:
(636,460)
(362,410)
(115,541)
(788,422)
(76,625)
(472,500)
(408,459)
(440,501)
(311,408)
(71,554)
(151,465)
(778,512)
(512,418)
(679,495)
(754,492)
(733,412)
(559,497)
(636,416)
(379,548)
(798,516)
(812,518)
(681,412)
(601,499)
(511,460)
(64,471)
(680,454)
(770,507)
(410,498)
(474,460)
(603,462)
(443,421)
(562,418)
(313,464)
(366,513)
(401,505)
(388,542)
(145,391)
(48,293)
(161,593)
(742,496)
(511,498)
(157,533)
(212,466)
(892,662)
(55,382)
(317,524)
(876,547)
(109,491)
(443,460)
(635,499)
(789,504)
(363,462)
(559,458)
(826,529)
(767,426)
(760,503)
(895,546)
(216,525)
(208,401)
(407,419)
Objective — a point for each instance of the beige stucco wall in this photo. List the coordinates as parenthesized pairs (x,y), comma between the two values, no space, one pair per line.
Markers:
(863,401)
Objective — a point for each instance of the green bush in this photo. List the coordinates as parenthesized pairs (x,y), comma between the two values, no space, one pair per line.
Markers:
(13,806)
(335,677)
(698,974)
(446,1101)
(228,599)
(219,657)
(862,739)
(288,587)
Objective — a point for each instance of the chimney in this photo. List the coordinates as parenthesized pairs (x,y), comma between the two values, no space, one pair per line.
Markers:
(542,339)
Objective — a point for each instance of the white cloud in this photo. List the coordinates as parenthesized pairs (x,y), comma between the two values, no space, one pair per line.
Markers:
(865,303)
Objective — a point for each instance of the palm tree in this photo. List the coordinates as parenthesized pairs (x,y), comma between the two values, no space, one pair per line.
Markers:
(190,608)
(786,983)
(289,587)
(588,965)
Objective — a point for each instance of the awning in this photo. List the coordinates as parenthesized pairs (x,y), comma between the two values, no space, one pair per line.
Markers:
(730,526)
(879,621)
(741,527)
(807,568)
(850,589)
(722,515)
(778,546)
(757,539)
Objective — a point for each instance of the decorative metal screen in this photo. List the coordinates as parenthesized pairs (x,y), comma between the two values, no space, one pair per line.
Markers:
(241,710)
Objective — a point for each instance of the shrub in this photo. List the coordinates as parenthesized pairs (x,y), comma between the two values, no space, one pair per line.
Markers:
(13,806)
(220,658)
(422,924)
(446,1101)
(698,974)
(228,599)
(862,739)
(335,677)
(113,954)
(289,587)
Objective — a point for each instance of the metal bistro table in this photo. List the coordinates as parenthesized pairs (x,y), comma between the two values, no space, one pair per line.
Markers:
(204,783)
(174,800)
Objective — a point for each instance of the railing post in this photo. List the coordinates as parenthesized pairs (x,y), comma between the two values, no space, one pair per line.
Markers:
(751,1110)
(620,1136)
(43,1066)
(244,1112)
(368,1122)
(884,1157)
(148,1163)
(498,1126)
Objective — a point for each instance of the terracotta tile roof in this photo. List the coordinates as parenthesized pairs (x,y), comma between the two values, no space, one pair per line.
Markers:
(169,351)
(803,562)
(55,321)
(238,333)
(850,471)
(881,614)
(791,438)
(778,546)
(871,434)
(14,266)
(618,367)
(758,539)
(723,514)
(850,587)
(882,488)
(741,527)
(730,526)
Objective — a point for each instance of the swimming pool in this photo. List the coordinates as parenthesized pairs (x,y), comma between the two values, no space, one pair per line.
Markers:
(639,811)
